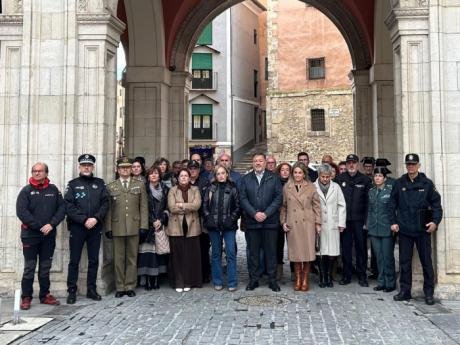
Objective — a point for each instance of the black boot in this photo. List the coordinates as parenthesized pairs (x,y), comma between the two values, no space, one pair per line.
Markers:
(154,282)
(148,285)
(322,274)
(328,272)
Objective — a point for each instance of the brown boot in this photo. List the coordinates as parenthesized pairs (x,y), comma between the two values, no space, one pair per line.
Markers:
(298,275)
(305,271)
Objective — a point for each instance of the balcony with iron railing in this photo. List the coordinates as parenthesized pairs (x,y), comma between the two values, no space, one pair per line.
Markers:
(210,83)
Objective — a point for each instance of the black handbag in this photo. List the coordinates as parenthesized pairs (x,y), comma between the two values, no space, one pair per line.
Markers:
(318,243)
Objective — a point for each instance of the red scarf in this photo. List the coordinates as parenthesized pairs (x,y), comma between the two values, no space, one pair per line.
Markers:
(38,185)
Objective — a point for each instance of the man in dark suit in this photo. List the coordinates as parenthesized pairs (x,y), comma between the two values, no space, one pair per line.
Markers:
(261,196)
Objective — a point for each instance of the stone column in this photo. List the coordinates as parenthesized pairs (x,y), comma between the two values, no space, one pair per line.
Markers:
(92,128)
(426,87)
(409,30)
(362,107)
(179,117)
(57,101)
(383,129)
(147,111)
(13,131)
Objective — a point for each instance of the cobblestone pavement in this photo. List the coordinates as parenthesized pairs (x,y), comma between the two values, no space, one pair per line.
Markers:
(341,315)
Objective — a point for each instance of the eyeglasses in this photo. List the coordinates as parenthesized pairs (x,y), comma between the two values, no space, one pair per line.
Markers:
(37,171)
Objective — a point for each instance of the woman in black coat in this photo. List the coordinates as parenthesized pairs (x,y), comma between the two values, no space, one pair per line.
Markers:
(149,263)
(221,210)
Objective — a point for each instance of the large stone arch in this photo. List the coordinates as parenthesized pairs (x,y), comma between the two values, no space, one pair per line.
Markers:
(207,10)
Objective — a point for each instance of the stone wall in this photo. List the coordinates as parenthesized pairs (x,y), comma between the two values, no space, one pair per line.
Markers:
(291,124)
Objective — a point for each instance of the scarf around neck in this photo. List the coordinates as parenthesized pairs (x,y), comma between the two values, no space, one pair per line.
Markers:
(184,190)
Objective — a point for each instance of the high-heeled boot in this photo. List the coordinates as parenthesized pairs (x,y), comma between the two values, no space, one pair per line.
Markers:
(322,274)
(305,271)
(298,276)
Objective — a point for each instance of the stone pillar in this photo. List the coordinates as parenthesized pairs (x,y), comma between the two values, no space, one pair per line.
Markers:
(383,118)
(409,30)
(425,41)
(13,131)
(179,117)
(57,101)
(92,128)
(362,107)
(146,131)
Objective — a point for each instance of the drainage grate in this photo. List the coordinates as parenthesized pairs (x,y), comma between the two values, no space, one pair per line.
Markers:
(264,300)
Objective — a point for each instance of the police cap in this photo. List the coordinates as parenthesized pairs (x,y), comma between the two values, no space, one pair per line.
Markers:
(193,164)
(412,158)
(352,158)
(86,159)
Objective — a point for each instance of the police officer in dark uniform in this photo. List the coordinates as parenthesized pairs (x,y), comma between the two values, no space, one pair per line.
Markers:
(355,187)
(87,203)
(417,212)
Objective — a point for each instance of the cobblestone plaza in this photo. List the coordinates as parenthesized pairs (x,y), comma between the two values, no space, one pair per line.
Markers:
(341,315)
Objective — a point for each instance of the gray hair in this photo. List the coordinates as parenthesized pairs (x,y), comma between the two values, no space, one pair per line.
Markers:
(325,169)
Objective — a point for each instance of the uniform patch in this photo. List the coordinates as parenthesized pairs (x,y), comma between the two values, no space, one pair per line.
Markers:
(80,187)
(421,190)
(49,194)
(80,195)
(94,186)
(34,192)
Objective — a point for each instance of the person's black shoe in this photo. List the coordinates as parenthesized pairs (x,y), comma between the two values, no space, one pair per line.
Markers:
(130,293)
(119,294)
(363,283)
(429,300)
(345,281)
(379,288)
(154,283)
(92,294)
(72,298)
(252,285)
(274,286)
(389,289)
(401,296)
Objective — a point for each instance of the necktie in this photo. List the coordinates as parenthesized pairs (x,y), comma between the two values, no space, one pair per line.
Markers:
(125,184)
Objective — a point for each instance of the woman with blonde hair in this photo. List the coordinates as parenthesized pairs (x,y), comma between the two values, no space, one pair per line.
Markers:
(301,219)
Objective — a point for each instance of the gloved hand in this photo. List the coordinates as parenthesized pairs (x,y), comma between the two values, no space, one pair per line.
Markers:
(109,235)
(143,235)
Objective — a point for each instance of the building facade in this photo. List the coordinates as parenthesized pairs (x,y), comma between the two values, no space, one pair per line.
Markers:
(309,94)
(225,96)
(58,98)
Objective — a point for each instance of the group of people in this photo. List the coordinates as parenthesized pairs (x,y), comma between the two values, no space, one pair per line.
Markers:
(167,220)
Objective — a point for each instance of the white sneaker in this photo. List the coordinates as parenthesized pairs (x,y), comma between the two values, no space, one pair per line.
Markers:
(186,289)
(179,290)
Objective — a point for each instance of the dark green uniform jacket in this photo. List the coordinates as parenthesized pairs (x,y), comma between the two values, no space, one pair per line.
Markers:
(379,212)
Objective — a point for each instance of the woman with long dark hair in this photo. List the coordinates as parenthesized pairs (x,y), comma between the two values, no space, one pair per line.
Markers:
(150,264)
(184,228)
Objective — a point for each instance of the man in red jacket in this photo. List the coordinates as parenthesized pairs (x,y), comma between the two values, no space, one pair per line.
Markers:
(41,208)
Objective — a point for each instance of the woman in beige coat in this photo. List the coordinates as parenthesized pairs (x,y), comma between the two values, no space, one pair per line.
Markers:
(184,201)
(301,220)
